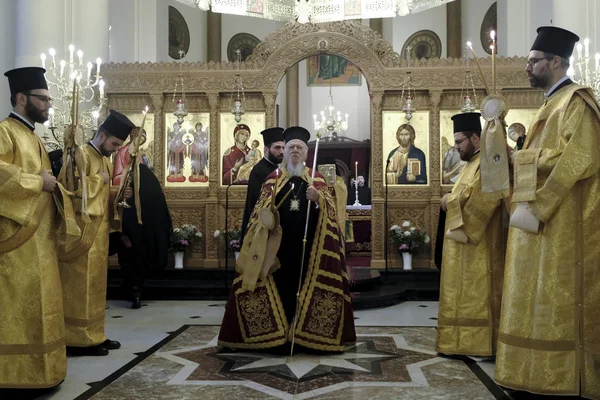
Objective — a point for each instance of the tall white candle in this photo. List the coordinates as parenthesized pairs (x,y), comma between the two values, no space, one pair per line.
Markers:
(43,57)
(71,50)
(98,62)
(52,53)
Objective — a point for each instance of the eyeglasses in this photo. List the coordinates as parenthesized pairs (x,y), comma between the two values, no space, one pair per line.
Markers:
(45,99)
(458,142)
(532,61)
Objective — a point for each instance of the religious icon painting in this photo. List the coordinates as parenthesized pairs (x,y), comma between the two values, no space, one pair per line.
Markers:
(148,144)
(517,120)
(325,70)
(405,148)
(241,146)
(187,150)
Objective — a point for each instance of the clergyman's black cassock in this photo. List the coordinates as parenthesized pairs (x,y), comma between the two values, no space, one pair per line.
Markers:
(151,240)
(259,173)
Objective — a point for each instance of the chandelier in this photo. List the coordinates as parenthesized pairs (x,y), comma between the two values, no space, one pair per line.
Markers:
(179,108)
(406,103)
(586,76)
(61,78)
(331,121)
(316,11)
(238,98)
(468,102)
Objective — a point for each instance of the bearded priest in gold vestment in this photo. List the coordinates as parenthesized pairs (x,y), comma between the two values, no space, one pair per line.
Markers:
(32,332)
(84,262)
(473,255)
(549,339)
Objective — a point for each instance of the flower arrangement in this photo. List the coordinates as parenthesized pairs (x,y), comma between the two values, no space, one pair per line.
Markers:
(233,237)
(407,238)
(184,237)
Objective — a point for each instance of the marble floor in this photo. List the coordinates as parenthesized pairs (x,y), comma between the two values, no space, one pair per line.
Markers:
(168,352)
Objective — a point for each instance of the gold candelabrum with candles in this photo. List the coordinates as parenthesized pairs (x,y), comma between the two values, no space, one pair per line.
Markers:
(61,77)
(585,74)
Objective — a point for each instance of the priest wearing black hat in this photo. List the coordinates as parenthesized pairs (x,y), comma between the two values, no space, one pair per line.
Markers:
(32,334)
(473,255)
(273,156)
(84,262)
(549,336)
(270,264)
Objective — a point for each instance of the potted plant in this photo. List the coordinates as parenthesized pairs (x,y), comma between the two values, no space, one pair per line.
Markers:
(183,238)
(408,240)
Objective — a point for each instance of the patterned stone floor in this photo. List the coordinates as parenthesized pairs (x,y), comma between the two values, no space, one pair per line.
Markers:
(385,363)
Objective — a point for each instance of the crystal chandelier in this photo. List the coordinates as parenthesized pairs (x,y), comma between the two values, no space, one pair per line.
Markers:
(468,103)
(237,104)
(406,103)
(179,108)
(60,78)
(586,76)
(316,11)
(331,121)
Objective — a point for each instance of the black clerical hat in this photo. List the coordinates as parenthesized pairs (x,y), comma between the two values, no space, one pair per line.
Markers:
(553,40)
(296,132)
(467,122)
(272,135)
(118,125)
(22,80)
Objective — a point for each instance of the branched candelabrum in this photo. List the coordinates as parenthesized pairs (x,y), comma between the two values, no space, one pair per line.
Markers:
(586,76)
(60,77)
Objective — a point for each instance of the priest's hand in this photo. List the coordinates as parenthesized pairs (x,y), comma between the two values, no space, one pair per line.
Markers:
(104,176)
(411,177)
(312,194)
(444,202)
(128,192)
(48,181)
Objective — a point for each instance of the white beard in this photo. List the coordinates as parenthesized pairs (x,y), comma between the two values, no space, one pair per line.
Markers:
(295,170)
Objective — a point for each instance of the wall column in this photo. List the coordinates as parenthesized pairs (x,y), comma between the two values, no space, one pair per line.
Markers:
(34,37)
(213,35)
(90,29)
(376,24)
(292,92)
(454,46)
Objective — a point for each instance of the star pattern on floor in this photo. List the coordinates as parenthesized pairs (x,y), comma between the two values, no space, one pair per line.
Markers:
(362,357)
(375,360)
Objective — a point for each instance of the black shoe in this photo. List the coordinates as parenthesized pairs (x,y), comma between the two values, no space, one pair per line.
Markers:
(111,344)
(28,394)
(94,351)
(136,302)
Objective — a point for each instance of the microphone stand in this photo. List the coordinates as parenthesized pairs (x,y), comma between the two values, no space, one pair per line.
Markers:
(385,243)
(227,236)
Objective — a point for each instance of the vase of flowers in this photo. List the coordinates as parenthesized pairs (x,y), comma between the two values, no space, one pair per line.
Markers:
(408,240)
(183,238)
(234,237)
